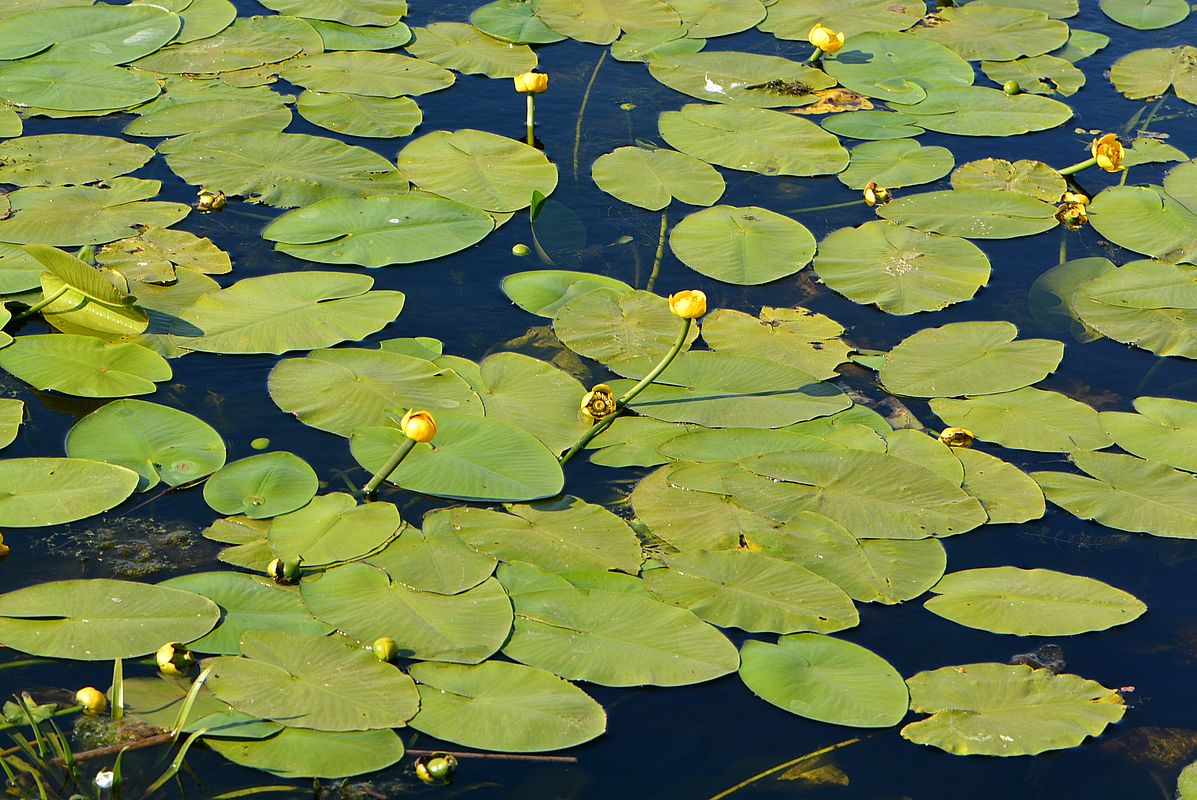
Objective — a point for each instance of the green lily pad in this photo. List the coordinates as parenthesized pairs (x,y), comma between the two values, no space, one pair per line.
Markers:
(100,619)
(339,36)
(1039,75)
(379,230)
(475,458)
(513,21)
(84,366)
(363,602)
(707,19)
(872,125)
(1147,73)
(1032,178)
(53,491)
(433,560)
(566,535)
(350,12)
(501,706)
(968,358)
(1056,9)
(75,215)
(68,158)
(896,163)
(745,79)
(10,122)
(74,85)
(896,67)
(652,178)
(1163,430)
(333,528)
(79,299)
(600,21)
(464,48)
(154,254)
(239,46)
(1146,15)
(543,292)
(972,213)
(367,73)
(827,679)
(1007,710)
(793,19)
(753,140)
(160,443)
(799,337)
(1140,218)
(12,414)
(1027,419)
(304,753)
(309,681)
(158,701)
(1051,295)
(487,171)
(210,106)
(658,43)
(752,591)
(289,311)
(102,34)
(980,111)
(900,269)
(1031,602)
(1126,493)
(1162,330)
(343,389)
(1081,44)
(1008,494)
(261,486)
(247,603)
(205,18)
(742,245)
(282,169)
(995,33)
(647,328)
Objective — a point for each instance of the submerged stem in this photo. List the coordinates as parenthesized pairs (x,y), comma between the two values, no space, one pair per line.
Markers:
(582,110)
(824,751)
(656,270)
(392,464)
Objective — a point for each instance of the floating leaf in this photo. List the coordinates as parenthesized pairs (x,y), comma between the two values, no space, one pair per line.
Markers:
(1007,710)
(1051,295)
(825,679)
(1027,419)
(995,33)
(1038,75)
(490,172)
(533,395)
(706,19)
(972,213)
(79,299)
(1162,330)
(1163,430)
(968,358)
(901,269)
(102,34)
(1126,493)
(74,86)
(896,163)
(793,19)
(74,215)
(310,681)
(1032,178)
(53,491)
(160,443)
(1146,73)
(350,12)
(614,326)
(433,560)
(100,619)
(360,115)
(158,701)
(600,21)
(333,528)
(1031,602)
(261,486)
(363,602)
(303,753)
(501,706)
(742,245)
(84,366)
(513,21)
(895,67)
(753,139)
(289,311)
(1146,15)
(1140,218)
(796,336)
(543,292)
(1007,493)
(68,158)
(652,178)
(873,125)
(464,48)
(240,46)
(367,73)
(153,255)
(339,36)
(980,111)
(745,79)
(12,414)
(247,603)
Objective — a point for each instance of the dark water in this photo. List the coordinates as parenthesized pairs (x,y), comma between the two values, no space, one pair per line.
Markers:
(694,742)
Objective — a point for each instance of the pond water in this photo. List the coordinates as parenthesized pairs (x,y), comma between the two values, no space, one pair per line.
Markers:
(690,741)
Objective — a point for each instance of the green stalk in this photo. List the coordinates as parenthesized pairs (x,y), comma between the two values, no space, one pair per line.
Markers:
(531,121)
(392,464)
(45,301)
(1075,168)
(582,110)
(630,394)
(822,752)
(845,204)
(656,270)
(815,56)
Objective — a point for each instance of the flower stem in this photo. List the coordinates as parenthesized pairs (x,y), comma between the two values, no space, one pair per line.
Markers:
(1075,168)
(582,110)
(38,306)
(531,121)
(829,207)
(630,394)
(656,270)
(392,464)
(815,56)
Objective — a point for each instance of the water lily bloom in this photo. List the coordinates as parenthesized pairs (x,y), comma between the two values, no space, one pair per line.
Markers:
(210,201)
(92,700)
(825,38)
(599,402)
(1072,215)
(875,195)
(174,658)
(690,304)
(956,437)
(418,426)
(1108,152)
(1075,197)
(531,82)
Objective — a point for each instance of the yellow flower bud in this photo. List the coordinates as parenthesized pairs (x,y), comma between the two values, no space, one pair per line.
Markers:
(210,201)
(385,649)
(1075,197)
(825,38)
(599,402)
(1108,152)
(531,82)
(3,547)
(92,700)
(174,659)
(875,195)
(418,425)
(956,437)
(284,573)
(436,768)
(690,304)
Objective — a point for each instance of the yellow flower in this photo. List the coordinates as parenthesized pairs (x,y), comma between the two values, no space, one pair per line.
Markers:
(875,195)
(210,201)
(174,659)
(956,437)
(1072,215)
(531,82)
(690,304)
(1075,197)
(599,402)
(418,425)
(825,38)
(92,700)
(1108,152)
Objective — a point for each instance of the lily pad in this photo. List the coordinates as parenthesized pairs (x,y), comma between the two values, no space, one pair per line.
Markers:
(102,34)
(588,323)
(1039,75)
(433,560)
(896,163)
(1031,602)
(826,679)
(482,169)
(896,67)
(543,292)
(333,528)
(339,36)
(1140,218)
(239,46)
(973,213)
(74,85)
(742,245)
(289,311)
(1146,73)
(1007,710)
(79,299)
(1146,15)
(1162,330)
(507,707)
(84,366)
(600,21)
(707,19)
(68,158)
(153,255)
(652,178)
(76,215)
(793,19)
(367,73)
(160,443)
(12,414)
(1032,178)
(901,269)
(304,753)
(1008,494)
(968,358)
(797,336)
(1163,430)
(746,79)
(100,619)
(464,48)
(158,701)
(359,115)
(53,491)
(513,21)
(261,486)
(349,12)
(317,682)
(980,111)
(1027,419)
(873,125)
(995,33)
